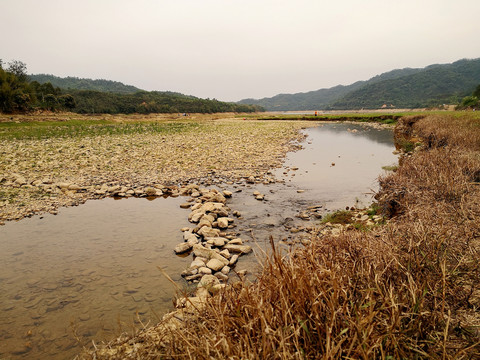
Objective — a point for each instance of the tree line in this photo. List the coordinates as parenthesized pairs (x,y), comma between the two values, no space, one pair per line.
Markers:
(19,95)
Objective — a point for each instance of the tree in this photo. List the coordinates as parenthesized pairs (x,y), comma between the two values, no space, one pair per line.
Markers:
(19,69)
(477,92)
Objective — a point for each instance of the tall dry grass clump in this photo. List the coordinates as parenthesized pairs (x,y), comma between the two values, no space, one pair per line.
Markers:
(408,291)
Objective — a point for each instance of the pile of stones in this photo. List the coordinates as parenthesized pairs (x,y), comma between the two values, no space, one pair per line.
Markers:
(212,242)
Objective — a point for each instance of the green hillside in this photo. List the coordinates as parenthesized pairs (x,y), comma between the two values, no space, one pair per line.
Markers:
(402,88)
(434,85)
(20,93)
(84,84)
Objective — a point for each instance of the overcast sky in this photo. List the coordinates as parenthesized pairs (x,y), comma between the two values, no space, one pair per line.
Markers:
(234,49)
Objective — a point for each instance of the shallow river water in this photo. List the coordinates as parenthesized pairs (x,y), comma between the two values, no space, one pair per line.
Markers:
(91,272)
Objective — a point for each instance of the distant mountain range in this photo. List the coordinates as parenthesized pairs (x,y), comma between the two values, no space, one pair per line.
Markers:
(75,83)
(401,88)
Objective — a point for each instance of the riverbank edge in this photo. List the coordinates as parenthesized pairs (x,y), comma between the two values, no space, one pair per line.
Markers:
(433,325)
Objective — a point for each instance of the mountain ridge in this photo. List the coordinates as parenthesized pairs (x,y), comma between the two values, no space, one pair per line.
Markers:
(408,87)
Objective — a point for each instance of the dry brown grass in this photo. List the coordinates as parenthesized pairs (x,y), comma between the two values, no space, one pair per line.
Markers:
(409,292)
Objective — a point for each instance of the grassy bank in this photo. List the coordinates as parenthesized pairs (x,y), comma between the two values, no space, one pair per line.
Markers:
(408,290)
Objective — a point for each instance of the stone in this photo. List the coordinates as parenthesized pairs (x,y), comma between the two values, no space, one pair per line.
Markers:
(222,222)
(201,251)
(215,264)
(239,249)
(204,270)
(251,180)
(256,193)
(225,270)
(221,277)
(185,205)
(233,259)
(208,232)
(226,254)
(217,288)
(300,191)
(182,247)
(227,194)
(196,215)
(193,277)
(216,241)
(260,197)
(236,241)
(197,263)
(64,185)
(208,281)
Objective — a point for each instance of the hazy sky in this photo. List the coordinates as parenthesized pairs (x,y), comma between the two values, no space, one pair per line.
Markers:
(234,49)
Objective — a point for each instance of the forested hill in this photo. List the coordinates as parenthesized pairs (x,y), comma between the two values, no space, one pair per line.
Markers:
(21,93)
(402,88)
(75,83)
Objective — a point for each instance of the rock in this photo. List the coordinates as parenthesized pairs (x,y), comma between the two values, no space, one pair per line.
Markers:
(185,205)
(215,264)
(208,281)
(193,277)
(222,222)
(225,270)
(150,191)
(227,194)
(251,180)
(221,277)
(239,249)
(233,259)
(260,197)
(196,215)
(197,263)
(226,254)
(201,251)
(64,185)
(182,247)
(216,241)
(236,241)
(256,193)
(208,232)
(74,187)
(204,270)
(364,217)
(215,289)
(206,220)
(300,191)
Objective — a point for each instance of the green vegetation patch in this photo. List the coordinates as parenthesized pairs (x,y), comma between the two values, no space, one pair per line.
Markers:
(82,128)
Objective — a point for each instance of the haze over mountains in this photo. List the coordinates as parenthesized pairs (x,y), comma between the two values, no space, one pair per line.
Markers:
(402,88)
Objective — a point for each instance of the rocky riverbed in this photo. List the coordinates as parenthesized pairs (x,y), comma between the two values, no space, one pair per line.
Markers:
(41,175)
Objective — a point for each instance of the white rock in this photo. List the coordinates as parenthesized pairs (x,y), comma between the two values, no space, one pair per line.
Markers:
(236,241)
(208,232)
(215,264)
(233,259)
(222,222)
(204,270)
(182,247)
(242,249)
